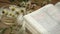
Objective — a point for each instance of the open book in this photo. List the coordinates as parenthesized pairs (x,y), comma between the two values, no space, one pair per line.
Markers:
(45,20)
(57,5)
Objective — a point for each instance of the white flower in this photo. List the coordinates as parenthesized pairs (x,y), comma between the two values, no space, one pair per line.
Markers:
(13,7)
(5,11)
(29,11)
(12,14)
(20,10)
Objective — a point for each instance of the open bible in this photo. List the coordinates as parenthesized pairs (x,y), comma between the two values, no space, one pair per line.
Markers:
(45,20)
